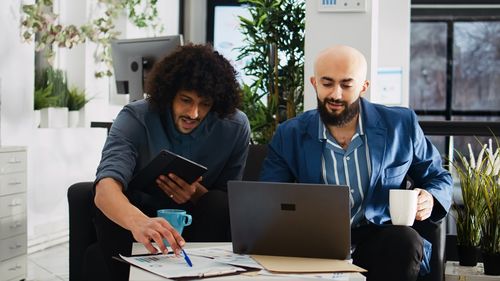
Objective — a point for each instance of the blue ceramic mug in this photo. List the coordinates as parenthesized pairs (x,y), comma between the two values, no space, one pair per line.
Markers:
(177,218)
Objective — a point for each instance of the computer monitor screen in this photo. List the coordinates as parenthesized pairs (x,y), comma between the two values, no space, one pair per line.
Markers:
(134,58)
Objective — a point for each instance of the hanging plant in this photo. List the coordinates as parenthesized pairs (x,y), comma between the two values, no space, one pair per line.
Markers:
(39,22)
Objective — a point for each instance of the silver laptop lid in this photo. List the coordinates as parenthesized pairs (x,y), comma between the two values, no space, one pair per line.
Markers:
(290,219)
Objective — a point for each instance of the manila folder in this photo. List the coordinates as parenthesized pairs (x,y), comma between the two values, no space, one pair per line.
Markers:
(303,265)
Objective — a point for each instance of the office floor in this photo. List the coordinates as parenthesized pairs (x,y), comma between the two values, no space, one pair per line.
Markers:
(51,264)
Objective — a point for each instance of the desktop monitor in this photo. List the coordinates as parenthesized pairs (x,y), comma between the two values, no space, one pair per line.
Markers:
(134,58)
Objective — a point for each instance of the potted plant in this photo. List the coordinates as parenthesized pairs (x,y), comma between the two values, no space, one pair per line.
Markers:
(76,101)
(467,213)
(54,114)
(490,226)
(43,99)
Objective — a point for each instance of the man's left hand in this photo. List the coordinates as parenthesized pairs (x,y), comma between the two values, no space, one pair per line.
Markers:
(179,190)
(425,202)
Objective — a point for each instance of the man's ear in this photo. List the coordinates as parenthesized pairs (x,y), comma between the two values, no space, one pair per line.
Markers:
(313,81)
(364,87)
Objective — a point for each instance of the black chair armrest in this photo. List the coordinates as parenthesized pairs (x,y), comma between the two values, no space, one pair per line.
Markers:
(434,232)
(81,226)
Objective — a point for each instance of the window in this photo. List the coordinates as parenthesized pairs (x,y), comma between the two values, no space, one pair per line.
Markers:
(455,67)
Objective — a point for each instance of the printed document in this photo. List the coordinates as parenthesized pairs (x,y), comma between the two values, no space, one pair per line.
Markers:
(224,254)
(171,266)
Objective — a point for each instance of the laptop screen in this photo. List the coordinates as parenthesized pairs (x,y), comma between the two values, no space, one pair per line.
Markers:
(290,219)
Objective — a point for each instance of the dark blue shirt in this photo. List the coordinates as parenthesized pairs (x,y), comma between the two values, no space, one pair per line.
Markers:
(137,136)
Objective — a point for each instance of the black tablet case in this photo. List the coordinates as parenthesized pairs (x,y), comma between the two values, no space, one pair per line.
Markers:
(164,163)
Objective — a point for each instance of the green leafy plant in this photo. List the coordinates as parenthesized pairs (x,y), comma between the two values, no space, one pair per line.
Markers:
(478,219)
(39,22)
(76,99)
(468,214)
(274,45)
(51,89)
(490,226)
(43,98)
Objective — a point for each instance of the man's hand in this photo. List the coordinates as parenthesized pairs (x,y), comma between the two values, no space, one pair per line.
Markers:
(112,202)
(147,230)
(425,202)
(179,190)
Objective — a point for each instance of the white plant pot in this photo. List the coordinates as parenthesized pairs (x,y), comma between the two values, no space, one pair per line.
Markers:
(36,118)
(54,117)
(73,117)
(81,119)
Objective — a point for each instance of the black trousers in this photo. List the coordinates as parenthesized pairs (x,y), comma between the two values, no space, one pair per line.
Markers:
(210,224)
(388,252)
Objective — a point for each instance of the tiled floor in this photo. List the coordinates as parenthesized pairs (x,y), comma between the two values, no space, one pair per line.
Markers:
(51,264)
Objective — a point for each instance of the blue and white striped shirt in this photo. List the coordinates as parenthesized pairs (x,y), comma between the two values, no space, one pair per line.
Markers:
(349,167)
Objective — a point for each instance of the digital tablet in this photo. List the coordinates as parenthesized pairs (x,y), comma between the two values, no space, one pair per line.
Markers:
(164,163)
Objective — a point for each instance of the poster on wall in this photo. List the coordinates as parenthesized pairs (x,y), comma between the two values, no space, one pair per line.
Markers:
(389,90)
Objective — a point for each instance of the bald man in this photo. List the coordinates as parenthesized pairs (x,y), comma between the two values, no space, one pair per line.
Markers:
(371,148)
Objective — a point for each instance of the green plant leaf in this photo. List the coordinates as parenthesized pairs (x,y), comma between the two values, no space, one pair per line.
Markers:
(76,99)
(275,94)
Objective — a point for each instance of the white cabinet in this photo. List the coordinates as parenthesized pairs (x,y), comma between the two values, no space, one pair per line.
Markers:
(13,239)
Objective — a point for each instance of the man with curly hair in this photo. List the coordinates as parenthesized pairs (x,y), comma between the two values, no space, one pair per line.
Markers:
(191,110)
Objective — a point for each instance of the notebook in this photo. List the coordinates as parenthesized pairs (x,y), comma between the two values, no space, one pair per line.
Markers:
(290,219)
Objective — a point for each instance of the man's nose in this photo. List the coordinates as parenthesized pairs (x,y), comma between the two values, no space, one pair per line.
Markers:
(193,111)
(336,93)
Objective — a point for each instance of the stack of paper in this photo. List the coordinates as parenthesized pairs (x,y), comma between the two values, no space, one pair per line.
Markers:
(214,261)
(171,266)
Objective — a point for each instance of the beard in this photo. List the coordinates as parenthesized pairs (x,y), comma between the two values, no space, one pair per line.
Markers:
(338,119)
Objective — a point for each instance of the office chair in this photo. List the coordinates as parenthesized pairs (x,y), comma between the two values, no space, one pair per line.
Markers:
(86,261)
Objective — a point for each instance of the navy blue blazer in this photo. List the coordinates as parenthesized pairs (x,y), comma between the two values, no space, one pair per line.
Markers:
(397,145)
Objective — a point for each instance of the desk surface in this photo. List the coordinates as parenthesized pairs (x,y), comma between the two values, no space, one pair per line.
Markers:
(137,274)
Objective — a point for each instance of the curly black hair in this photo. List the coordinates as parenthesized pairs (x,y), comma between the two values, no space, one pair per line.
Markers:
(196,68)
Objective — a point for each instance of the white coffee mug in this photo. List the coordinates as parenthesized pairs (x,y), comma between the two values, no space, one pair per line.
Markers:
(403,206)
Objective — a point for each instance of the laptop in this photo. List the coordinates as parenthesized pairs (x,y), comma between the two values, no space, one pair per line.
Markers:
(290,219)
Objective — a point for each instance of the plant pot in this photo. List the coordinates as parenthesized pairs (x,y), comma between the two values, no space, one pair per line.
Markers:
(73,118)
(491,263)
(54,117)
(37,118)
(467,255)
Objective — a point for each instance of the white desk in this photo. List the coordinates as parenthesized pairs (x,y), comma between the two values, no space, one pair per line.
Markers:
(137,274)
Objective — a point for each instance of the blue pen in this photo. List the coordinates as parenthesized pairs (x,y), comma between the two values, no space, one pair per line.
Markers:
(186,258)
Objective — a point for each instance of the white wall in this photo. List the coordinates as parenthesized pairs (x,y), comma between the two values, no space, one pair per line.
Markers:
(16,78)
(324,29)
(394,40)
(56,159)
(382,34)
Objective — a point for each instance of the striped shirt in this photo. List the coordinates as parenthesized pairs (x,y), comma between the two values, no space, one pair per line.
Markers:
(349,167)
